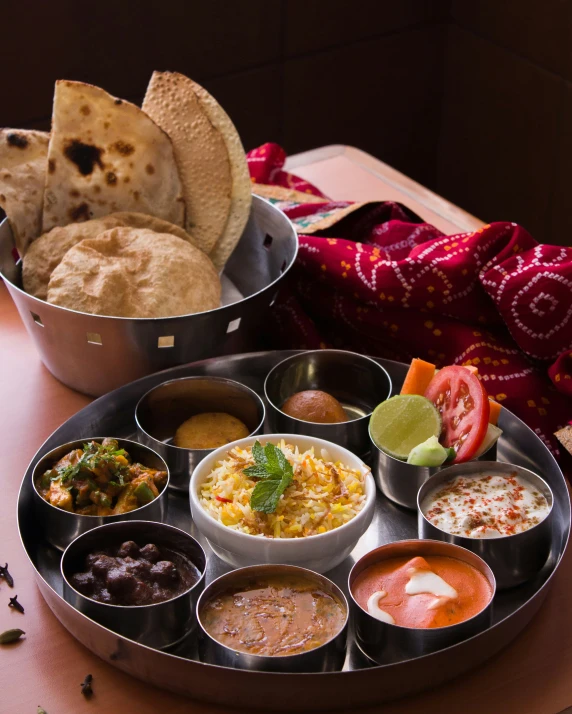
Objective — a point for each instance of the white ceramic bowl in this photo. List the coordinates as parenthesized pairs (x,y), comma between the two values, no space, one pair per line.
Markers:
(320,552)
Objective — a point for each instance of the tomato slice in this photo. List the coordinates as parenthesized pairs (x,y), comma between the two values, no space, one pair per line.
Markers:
(463,404)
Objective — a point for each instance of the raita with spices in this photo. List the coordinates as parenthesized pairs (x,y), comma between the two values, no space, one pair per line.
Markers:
(486,506)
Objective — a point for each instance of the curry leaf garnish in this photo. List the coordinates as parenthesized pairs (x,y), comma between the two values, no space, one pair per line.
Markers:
(275,473)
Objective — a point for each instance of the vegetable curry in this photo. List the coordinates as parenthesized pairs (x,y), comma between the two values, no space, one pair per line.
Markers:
(100,480)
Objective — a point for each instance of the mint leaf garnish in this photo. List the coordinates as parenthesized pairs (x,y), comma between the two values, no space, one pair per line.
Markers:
(258,453)
(275,473)
(265,496)
(271,459)
(256,472)
(283,462)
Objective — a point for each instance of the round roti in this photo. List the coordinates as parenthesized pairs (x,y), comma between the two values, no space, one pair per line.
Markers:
(130,272)
(200,151)
(106,155)
(46,253)
(23,162)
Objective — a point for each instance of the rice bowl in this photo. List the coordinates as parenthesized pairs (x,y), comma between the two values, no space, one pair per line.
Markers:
(323,496)
(318,519)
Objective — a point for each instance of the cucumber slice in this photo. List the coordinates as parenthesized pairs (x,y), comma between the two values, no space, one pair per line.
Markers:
(429,453)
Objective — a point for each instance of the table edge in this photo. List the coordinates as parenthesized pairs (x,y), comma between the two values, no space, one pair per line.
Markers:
(386,173)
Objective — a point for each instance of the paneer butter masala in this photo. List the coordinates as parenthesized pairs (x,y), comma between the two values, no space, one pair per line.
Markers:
(277,616)
(434,591)
(100,480)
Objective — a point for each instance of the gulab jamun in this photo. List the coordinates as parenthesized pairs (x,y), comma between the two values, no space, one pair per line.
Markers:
(315,406)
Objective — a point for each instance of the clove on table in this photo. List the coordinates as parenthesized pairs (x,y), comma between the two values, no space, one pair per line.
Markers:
(86,689)
(6,575)
(15,604)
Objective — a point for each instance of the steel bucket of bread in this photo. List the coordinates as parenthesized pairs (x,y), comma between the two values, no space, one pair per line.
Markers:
(95,354)
(142,245)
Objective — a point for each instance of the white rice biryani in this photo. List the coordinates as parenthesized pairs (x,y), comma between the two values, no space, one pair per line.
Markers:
(322,496)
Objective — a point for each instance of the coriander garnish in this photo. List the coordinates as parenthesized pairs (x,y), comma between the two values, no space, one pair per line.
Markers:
(94,456)
(275,473)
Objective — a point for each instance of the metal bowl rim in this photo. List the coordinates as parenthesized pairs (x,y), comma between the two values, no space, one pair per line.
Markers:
(457,548)
(257,398)
(321,351)
(310,574)
(35,473)
(486,465)
(171,317)
(111,606)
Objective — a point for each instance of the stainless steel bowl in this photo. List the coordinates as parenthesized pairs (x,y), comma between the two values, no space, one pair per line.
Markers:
(513,559)
(400,481)
(357,382)
(60,527)
(383,642)
(326,658)
(164,408)
(159,625)
(95,354)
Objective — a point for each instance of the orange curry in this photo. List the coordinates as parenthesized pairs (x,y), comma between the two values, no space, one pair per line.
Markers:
(435,591)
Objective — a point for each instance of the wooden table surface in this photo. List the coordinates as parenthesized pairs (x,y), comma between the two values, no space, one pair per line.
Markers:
(531,676)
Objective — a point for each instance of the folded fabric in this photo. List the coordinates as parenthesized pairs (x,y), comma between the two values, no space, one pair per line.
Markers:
(374,278)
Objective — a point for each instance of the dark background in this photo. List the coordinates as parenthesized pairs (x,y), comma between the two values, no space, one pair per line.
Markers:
(473,98)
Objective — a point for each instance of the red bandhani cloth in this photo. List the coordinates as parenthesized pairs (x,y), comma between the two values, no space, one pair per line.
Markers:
(376,279)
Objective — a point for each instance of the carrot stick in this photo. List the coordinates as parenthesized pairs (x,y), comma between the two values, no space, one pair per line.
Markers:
(495,411)
(418,377)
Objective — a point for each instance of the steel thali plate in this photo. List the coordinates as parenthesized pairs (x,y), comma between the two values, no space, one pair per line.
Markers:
(361,682)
